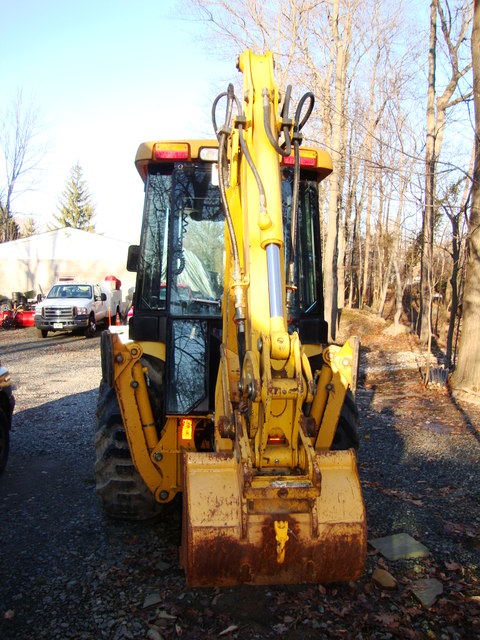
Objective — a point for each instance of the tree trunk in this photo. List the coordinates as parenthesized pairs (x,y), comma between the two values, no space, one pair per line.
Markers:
(367,278)
(331,247)
(341,266)
(454,285)
(427,231)
(386,255)
(435,131)
(467,372)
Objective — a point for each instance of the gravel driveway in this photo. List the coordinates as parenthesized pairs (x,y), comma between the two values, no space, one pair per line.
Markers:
(69,572)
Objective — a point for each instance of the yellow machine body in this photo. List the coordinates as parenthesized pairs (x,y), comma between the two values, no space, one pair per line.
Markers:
(271,502)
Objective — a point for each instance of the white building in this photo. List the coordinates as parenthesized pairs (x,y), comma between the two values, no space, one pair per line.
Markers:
(35,263)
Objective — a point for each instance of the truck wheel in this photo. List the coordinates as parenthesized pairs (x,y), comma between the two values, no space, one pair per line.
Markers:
(91,327)
(120,487)
(5,305)
(346,435)
(42,333)
(4,440)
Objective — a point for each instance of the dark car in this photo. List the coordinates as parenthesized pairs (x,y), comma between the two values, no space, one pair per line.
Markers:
(7,404)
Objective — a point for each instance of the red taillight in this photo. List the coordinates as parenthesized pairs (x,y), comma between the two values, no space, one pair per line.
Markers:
(276,439)
(75,311)
(171,151)
(307,159)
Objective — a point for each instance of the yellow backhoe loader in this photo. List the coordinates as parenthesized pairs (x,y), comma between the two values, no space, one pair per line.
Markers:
(225,388)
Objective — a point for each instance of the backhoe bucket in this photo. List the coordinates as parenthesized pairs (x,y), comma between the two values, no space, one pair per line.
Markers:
(276,530)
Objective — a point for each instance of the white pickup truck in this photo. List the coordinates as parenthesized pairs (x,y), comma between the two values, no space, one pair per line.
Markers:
(78,307)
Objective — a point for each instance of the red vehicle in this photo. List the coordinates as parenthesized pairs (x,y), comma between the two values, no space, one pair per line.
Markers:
(19,311)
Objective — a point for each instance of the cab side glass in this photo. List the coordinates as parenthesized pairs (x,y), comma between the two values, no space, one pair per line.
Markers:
(132,259)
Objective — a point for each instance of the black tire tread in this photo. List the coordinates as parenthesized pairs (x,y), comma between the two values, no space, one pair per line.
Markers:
(91,328)
(120,487)
(5,440)
(346,435)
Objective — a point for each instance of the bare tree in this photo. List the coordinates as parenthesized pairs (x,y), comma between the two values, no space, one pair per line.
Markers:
(404,174)
(436,115)
(351,54)
(467,371)
(372,123)
(22,157)
(454,203)
(249,24)
(341,33)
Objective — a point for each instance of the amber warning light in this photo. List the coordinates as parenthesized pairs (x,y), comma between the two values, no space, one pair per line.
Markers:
(186,425)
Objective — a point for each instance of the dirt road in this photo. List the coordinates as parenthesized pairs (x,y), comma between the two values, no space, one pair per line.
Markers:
(68,572)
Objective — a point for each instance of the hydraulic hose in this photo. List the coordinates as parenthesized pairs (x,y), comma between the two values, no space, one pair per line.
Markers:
(251,164)
(297,137)
(222,136)
(285,150)
(222,147)
(295,192)
(307,96)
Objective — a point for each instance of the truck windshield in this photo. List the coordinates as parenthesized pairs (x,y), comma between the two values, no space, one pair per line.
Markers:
(183,242)
(70,291)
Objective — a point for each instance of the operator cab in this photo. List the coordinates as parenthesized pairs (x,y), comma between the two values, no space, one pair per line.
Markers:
(180,267)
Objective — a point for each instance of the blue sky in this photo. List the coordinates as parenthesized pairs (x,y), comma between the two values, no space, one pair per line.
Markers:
(105,75)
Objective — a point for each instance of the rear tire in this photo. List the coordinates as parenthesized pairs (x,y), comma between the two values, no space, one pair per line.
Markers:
(4,440)
(346,435)
(5,305)
(120,487)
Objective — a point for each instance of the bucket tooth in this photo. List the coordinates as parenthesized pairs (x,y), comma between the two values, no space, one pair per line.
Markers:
(281,537)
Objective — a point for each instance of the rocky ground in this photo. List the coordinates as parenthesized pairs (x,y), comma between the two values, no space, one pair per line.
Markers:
(68,572)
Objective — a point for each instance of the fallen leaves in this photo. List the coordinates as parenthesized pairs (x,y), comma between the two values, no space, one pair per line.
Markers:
(453,566)
(228,630)
(396,493)
(467,530)
(388,620)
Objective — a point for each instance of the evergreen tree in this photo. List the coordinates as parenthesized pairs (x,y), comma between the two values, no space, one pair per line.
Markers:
(29,228)
(75,206)
(9,229)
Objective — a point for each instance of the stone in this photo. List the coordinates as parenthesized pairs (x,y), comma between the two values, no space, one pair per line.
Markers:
(164,615)
(384,580)
(427,591)
(152,599)
(400,546)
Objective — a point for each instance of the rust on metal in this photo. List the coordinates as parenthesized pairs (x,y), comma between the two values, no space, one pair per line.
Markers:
(308,424)
(338,555)
(226,427)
